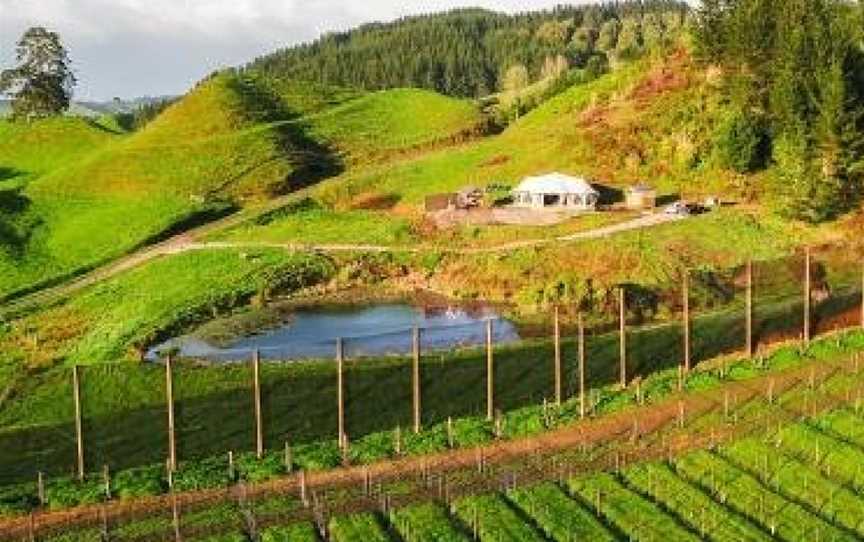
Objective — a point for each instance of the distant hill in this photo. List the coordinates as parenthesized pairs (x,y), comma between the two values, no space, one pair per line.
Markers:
(78,109)
(113,107)
(95,109)
(468,52)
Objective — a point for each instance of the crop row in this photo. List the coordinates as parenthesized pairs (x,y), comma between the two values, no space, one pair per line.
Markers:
(747,495)
(799,482)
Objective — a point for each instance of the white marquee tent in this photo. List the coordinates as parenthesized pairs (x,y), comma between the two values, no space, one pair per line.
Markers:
(556,191)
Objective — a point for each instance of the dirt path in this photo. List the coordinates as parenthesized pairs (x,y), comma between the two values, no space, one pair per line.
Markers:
(173,245)
(644,222)
(191,240)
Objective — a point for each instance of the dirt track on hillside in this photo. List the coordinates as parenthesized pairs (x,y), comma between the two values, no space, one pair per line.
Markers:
(191,240)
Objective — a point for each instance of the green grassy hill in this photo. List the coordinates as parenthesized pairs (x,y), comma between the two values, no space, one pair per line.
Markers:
(382,123)
(97,195)
(30,150)
(84,195)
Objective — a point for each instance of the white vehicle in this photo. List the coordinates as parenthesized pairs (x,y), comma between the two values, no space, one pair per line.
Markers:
(679,208)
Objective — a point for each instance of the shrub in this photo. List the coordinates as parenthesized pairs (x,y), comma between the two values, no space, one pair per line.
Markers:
(741,143)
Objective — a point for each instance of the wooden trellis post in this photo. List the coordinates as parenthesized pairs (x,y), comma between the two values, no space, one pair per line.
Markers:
(557,340)
(40,488)
(807,294)
(256,388)
(490,373)
(686,300)
(79,430)
(749,309)
(169,404)
(175,518)
(415,378)
(340,390)
(582,398)
(622,331)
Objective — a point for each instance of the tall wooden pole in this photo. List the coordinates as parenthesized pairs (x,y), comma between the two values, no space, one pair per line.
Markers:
(415,378)
(807,294)
(749,309)
(256,388)
(862,295)
(340,389)
(79,430)
(169,404)
(557,339)
(582,398)
(622,332)
(490,373)
(686,300)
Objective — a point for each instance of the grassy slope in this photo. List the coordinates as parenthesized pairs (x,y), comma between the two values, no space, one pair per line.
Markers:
(231,140)
(379,124)
(587,130)
(108,321)
(30,150)
(524,148)
(96,205)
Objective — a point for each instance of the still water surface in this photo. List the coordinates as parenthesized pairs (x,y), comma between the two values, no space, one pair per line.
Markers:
(366,331)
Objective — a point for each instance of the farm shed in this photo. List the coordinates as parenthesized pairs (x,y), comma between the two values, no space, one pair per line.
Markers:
(640,197)
(556,191)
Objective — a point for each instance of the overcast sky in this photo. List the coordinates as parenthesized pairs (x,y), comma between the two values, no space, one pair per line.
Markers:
(130,48)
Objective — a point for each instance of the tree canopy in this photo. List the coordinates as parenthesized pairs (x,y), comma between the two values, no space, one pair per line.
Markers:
(796,68)
(469,53)
(41,84)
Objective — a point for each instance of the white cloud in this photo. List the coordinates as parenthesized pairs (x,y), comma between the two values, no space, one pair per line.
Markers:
(135,47)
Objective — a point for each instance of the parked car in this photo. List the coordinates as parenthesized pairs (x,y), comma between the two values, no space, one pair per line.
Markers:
(679,208)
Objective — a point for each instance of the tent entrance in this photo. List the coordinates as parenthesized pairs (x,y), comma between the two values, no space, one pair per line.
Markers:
(550,200)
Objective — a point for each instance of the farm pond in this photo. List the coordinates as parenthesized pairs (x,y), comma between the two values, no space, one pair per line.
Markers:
(366,331)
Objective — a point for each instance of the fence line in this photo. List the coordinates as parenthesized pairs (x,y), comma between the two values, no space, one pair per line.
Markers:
(467,472)
(624,351)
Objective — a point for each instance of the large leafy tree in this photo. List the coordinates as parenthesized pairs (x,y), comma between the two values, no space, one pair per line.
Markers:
(42,82)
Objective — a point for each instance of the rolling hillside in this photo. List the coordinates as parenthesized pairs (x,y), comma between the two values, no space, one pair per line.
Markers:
(101,195)
(648,121)
(85,194)
(392,121)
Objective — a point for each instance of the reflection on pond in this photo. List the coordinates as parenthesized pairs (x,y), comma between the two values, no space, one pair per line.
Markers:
(366,331)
